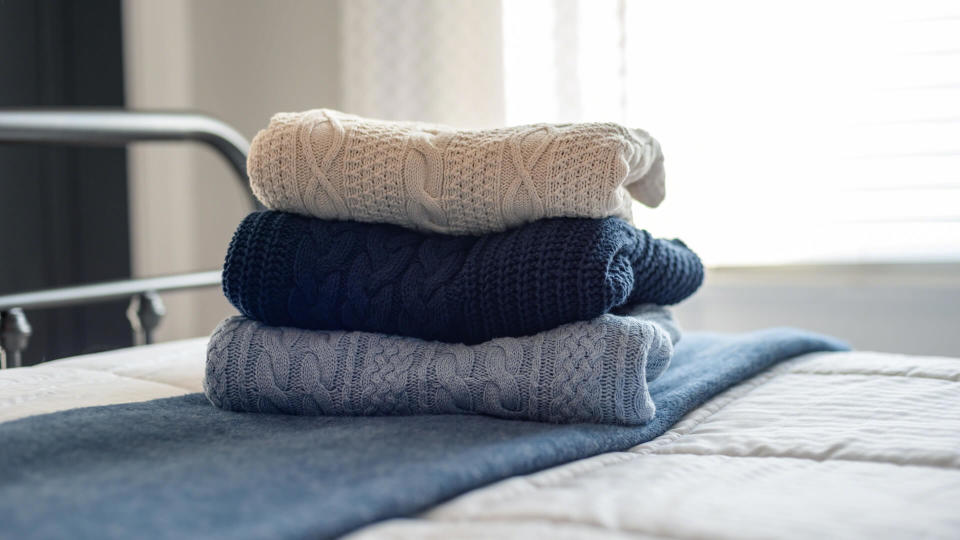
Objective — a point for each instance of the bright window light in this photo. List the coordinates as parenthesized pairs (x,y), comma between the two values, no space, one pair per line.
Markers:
(799,132)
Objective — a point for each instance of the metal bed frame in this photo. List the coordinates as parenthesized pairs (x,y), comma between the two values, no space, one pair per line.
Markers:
(112,127)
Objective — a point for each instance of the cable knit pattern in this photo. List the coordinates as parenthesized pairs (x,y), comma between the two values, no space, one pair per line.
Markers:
(590,371)
(287,270)
(337,166)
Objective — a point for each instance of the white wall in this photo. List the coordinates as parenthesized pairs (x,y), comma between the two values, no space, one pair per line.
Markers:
(241,61)
(896,308)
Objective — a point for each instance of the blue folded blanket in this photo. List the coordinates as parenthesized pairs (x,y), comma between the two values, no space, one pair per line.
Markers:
(589,371)
(180,468)
(287,270)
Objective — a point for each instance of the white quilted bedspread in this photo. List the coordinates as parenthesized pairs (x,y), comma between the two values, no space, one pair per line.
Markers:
(839,445)
(121,376)
(835,445)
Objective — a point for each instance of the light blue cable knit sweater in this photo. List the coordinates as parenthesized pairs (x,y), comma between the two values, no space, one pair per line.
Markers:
(591,371)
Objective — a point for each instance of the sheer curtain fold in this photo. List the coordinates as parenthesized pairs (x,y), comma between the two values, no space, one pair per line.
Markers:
(427,60)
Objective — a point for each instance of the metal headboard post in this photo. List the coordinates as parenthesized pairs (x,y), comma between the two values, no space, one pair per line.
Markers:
(104,127)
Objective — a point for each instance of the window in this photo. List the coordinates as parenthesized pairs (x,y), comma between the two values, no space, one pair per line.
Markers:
(801,132)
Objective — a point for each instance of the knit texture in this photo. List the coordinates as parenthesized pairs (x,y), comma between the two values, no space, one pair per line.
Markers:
(286,270)
(595,371)
(336,166)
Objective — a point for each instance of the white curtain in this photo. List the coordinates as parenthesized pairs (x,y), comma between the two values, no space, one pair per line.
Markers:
(427,60)
(814,131)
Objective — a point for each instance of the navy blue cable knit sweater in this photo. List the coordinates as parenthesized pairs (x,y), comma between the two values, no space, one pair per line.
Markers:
(287,270)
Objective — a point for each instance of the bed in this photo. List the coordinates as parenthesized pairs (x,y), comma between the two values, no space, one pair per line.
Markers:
(853,444)
(840,444)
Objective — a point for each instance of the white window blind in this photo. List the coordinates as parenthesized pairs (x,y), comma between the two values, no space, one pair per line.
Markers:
(793,132)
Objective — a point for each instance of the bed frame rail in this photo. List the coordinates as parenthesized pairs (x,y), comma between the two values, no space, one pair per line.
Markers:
(111,127)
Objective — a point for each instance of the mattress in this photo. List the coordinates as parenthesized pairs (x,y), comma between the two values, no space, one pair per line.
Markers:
(851,444)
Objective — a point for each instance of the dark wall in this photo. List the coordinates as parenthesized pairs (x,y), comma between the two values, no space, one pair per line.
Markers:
(63,211)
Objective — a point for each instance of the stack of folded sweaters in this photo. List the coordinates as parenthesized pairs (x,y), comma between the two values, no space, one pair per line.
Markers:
(408,268)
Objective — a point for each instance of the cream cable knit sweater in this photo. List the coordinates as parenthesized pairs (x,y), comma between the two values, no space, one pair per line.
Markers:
(338,166)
